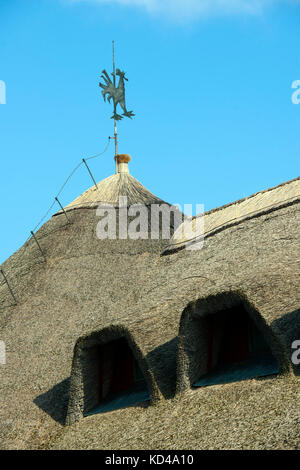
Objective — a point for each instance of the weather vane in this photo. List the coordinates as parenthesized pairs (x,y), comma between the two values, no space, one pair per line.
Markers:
(117,94)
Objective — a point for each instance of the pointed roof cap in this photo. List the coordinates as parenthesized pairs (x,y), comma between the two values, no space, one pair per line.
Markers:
(110,189)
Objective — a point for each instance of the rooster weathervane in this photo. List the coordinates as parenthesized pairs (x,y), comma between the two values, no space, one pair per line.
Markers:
(117,94)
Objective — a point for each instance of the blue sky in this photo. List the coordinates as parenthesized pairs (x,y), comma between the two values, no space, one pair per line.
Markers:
(210,83)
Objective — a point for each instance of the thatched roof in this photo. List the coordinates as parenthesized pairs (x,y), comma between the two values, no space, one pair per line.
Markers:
(233,214)
(87,286)
(110,189)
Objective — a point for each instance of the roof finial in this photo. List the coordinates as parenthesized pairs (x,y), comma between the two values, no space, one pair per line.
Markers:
(118,96)
(122,162)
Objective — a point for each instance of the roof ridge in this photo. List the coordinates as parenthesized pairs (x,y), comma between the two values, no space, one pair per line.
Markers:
(238,201)
(237,212)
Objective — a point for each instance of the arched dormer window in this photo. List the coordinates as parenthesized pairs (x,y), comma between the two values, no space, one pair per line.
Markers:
(223,339)
(108,372)
(121,382)
(236,349)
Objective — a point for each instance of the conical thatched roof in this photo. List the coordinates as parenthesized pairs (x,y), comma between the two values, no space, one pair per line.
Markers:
(92,290)
(110,189)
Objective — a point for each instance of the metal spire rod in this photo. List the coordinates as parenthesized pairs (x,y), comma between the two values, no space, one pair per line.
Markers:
(115,122)
(90,172)
(57,200)
(10,290)
(37,242)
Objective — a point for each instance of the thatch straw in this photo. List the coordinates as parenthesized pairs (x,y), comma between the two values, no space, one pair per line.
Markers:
(87,285)
(219,219)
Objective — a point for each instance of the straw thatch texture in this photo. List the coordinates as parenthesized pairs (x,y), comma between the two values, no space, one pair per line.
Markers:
(233,214)
(110,189)
(88,285)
